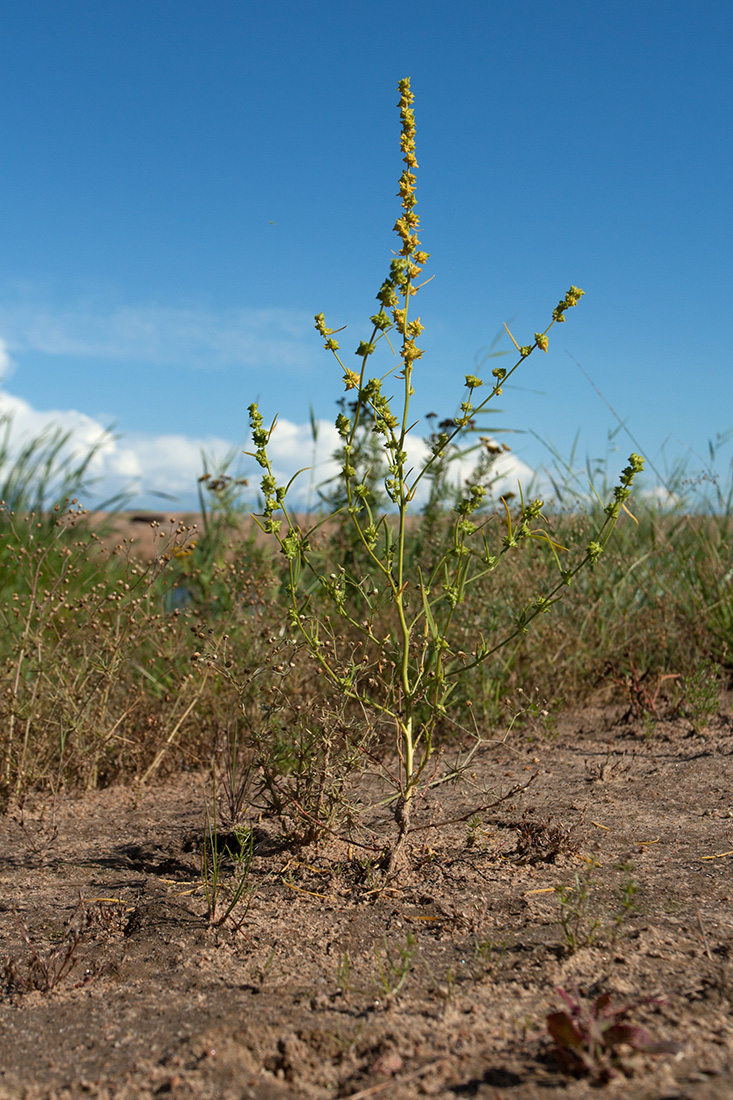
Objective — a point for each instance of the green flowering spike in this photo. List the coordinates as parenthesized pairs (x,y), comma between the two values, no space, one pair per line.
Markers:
(291,546)
(388,295)
(440,443)
(521,623)
(343,425)
(451,594)
(372,390)
(594,552)
(386,421)
(472,382)
(635,466)
(542,341)
(398,271)
(381,321)
(469,504)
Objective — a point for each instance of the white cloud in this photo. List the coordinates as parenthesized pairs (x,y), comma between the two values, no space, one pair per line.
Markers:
(659,496)
(147,466)
(143,465)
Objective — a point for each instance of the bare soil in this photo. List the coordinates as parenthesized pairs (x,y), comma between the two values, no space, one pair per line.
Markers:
(156,1002)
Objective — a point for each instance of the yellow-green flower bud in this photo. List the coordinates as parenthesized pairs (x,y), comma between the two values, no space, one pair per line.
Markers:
(387,295)
(594,552)
(381,321)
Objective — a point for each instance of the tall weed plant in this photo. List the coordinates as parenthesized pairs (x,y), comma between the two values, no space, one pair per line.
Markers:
(386,635)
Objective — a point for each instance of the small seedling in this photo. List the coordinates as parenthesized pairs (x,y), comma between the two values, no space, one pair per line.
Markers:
(588,1036)
(701,694)
(267,969)
(579,929)
(578,916)
(486,956)
(393,969)
(477,834)
(45,969)
(626,899)
(223,896)
(445,989)
(343,974)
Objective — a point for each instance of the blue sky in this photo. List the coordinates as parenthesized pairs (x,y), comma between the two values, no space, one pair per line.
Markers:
(185,184)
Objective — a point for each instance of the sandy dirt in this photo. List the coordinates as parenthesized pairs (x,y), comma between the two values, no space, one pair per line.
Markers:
(302,998)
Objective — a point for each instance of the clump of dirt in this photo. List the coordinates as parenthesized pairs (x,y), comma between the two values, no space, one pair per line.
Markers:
(610,873)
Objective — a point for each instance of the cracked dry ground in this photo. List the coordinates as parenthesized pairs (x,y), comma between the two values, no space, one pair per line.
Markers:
(156,1003)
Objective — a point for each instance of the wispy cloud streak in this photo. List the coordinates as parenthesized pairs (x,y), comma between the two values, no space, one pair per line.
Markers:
(162,335)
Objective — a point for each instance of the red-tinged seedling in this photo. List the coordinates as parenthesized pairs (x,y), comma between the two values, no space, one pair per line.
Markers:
(590,1037)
